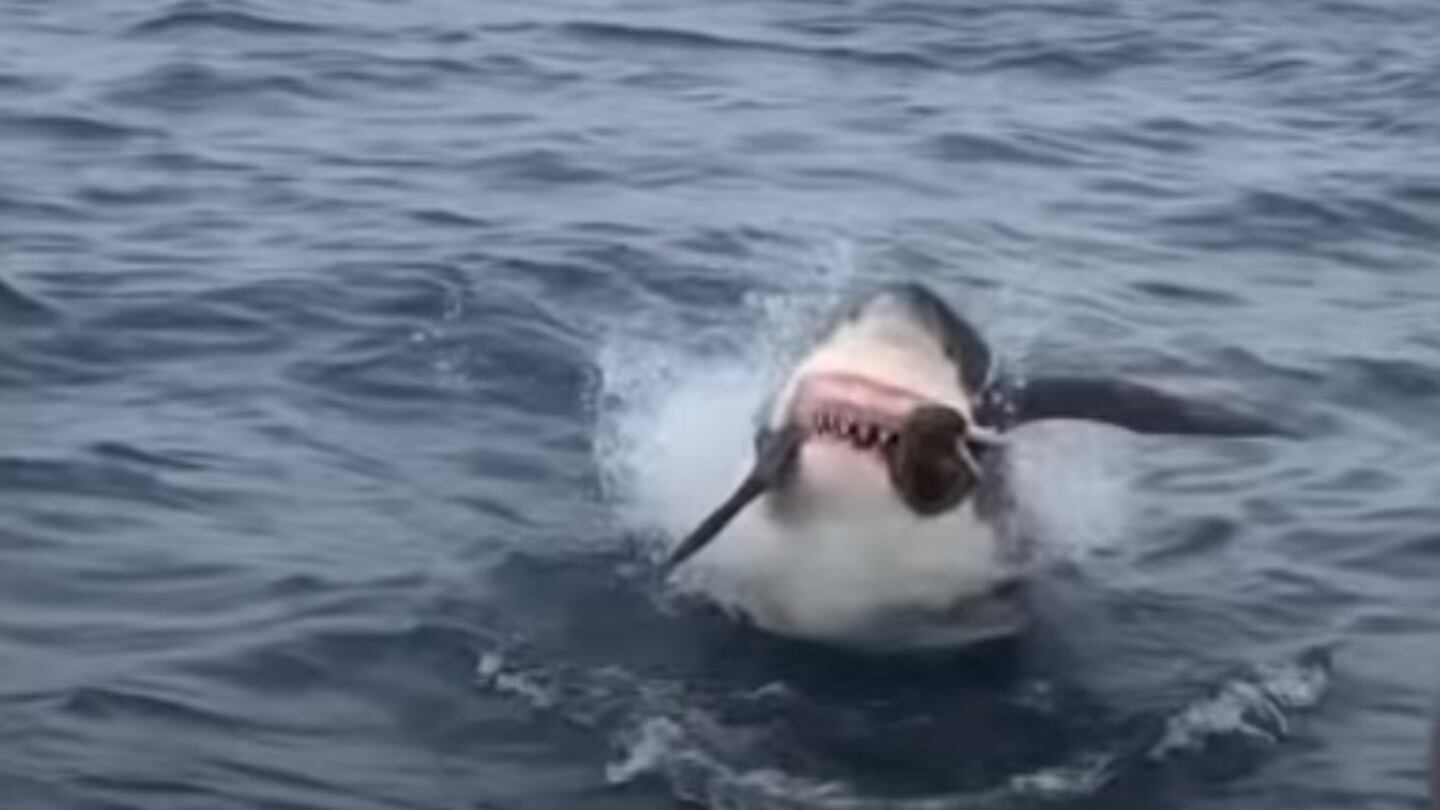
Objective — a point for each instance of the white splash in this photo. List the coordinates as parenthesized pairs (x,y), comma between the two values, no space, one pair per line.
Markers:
(1255,706)
(662,747)
(662,734)
(676,436)
(1072,483)
(1085,777)
(645,751)
(676,407)
(491,672)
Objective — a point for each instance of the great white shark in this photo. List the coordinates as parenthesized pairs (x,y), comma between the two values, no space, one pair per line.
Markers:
(874,512)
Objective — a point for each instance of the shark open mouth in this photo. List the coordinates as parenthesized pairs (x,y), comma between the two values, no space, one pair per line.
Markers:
(921,444)
(925,446)
(856,410)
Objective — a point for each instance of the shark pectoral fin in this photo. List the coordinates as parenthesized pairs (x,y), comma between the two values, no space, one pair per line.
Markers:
(775,452)
(749,490)
(1133,406)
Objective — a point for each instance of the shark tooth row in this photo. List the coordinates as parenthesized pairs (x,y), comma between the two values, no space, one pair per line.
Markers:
(858,431)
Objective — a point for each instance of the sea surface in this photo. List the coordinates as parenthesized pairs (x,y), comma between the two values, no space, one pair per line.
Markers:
(357,358)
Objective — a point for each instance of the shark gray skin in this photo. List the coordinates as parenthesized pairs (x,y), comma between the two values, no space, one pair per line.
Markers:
(874,513)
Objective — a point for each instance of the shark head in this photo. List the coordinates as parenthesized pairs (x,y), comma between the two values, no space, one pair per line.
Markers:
(883,405)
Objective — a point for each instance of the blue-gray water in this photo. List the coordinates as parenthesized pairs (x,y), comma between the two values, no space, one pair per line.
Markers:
(326,330)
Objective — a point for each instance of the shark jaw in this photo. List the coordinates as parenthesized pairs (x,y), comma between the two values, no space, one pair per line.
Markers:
(849,426)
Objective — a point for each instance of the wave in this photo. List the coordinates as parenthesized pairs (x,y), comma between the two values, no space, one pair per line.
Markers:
(967,148)
(193,15)
(1303,221)
(656,731)
(691,40)
(17,307)
(70,127)
(194,86)
(70,478)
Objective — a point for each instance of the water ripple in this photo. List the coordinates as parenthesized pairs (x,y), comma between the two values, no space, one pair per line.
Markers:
(70,128)
(18,308)
(73,478)
(200,16)
(965,148)
(685,39)
(191,87)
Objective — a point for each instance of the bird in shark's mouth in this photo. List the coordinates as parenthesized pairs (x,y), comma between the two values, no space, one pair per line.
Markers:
(863,519)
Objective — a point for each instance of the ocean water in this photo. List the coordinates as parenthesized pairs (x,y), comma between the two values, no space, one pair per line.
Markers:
(356,357)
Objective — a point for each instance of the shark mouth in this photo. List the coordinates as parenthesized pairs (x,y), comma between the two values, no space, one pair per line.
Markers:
(866,414)
(930,451)
(923,445)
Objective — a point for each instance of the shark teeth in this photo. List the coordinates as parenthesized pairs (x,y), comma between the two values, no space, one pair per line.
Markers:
(856,428)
